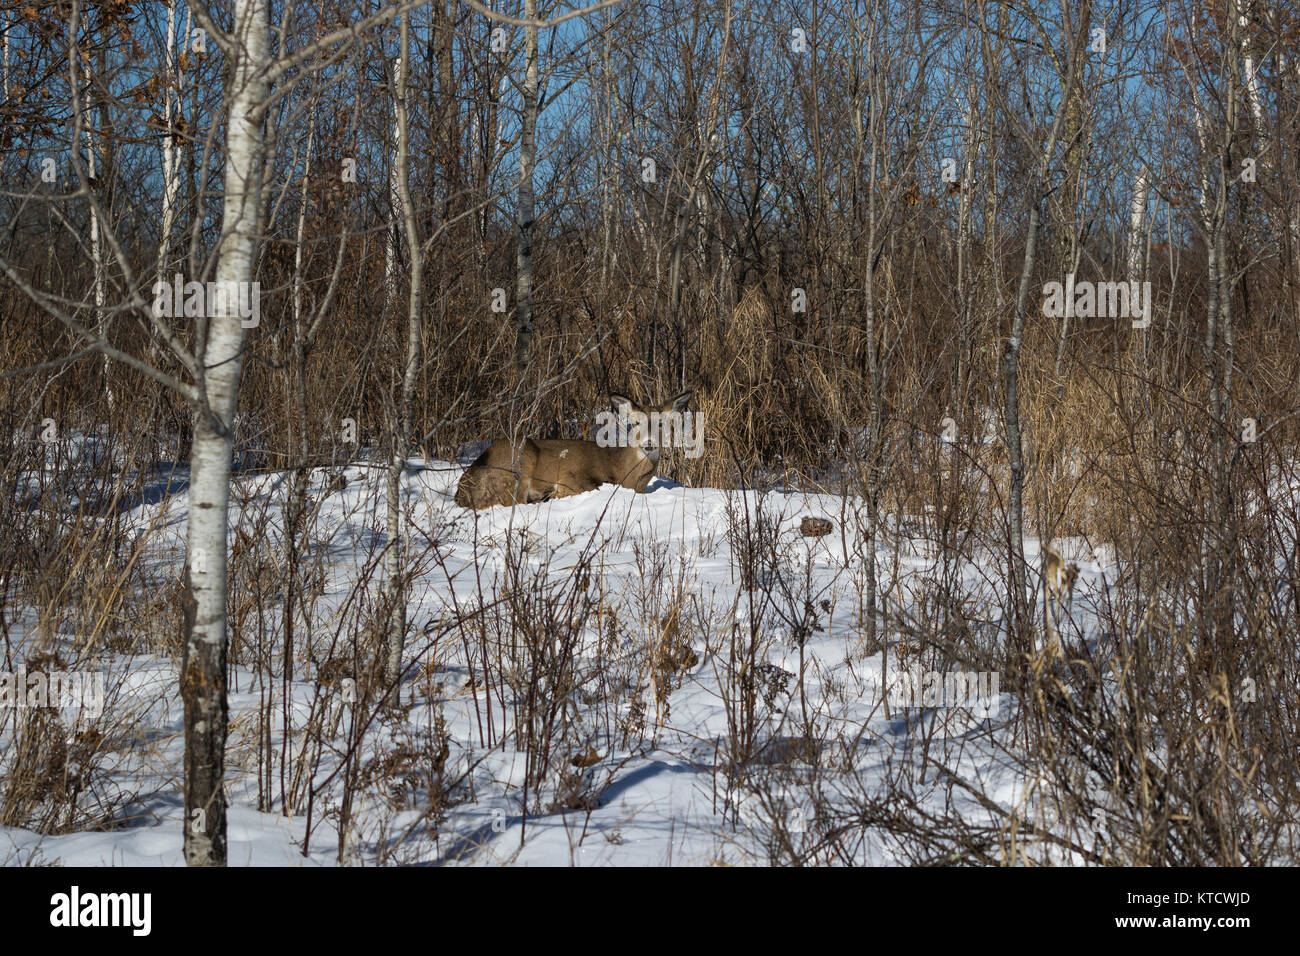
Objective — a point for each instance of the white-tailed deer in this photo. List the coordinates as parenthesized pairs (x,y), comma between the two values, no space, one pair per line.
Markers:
(1058,577)
(1058,580)
(543,468)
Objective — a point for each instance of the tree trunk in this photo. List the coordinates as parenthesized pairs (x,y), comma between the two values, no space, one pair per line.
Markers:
(1137,217)
(396,597)
(524,214)
(1020,598)
(203,667)
(170,159)
(393,239)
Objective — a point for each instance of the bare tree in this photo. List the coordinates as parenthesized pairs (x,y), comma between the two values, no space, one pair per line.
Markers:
(524,213)
(203,669)
(1039,188)
(396,590)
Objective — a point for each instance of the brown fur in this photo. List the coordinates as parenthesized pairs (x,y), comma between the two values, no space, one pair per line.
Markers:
(1058,577)
(557,467)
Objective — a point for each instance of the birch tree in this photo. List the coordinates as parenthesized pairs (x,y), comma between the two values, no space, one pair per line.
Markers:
(80,104)
(171,144)
(220,351)
(1137,219)
(524,212)
(396,591)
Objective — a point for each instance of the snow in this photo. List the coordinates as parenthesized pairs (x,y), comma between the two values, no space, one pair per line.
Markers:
(663,795)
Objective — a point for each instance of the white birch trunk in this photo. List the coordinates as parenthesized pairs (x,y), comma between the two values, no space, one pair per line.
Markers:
(80,107)
(967,184)
(1250,78)
(170,157)
(524,213)
(1204,199)
(608,157)
(203,671)
(8,29)
(1250,72)
(1137,216)
(97,260)
(394,580)
(392,254)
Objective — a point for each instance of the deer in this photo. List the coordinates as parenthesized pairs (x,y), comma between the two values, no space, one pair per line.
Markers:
(532,470)
(1058,579)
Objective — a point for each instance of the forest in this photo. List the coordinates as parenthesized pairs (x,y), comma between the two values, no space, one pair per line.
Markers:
(974,540)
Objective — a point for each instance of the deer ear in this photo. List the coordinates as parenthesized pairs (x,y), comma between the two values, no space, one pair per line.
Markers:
(680,401)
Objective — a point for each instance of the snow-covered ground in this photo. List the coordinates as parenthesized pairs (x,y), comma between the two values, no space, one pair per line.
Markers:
(546,615)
